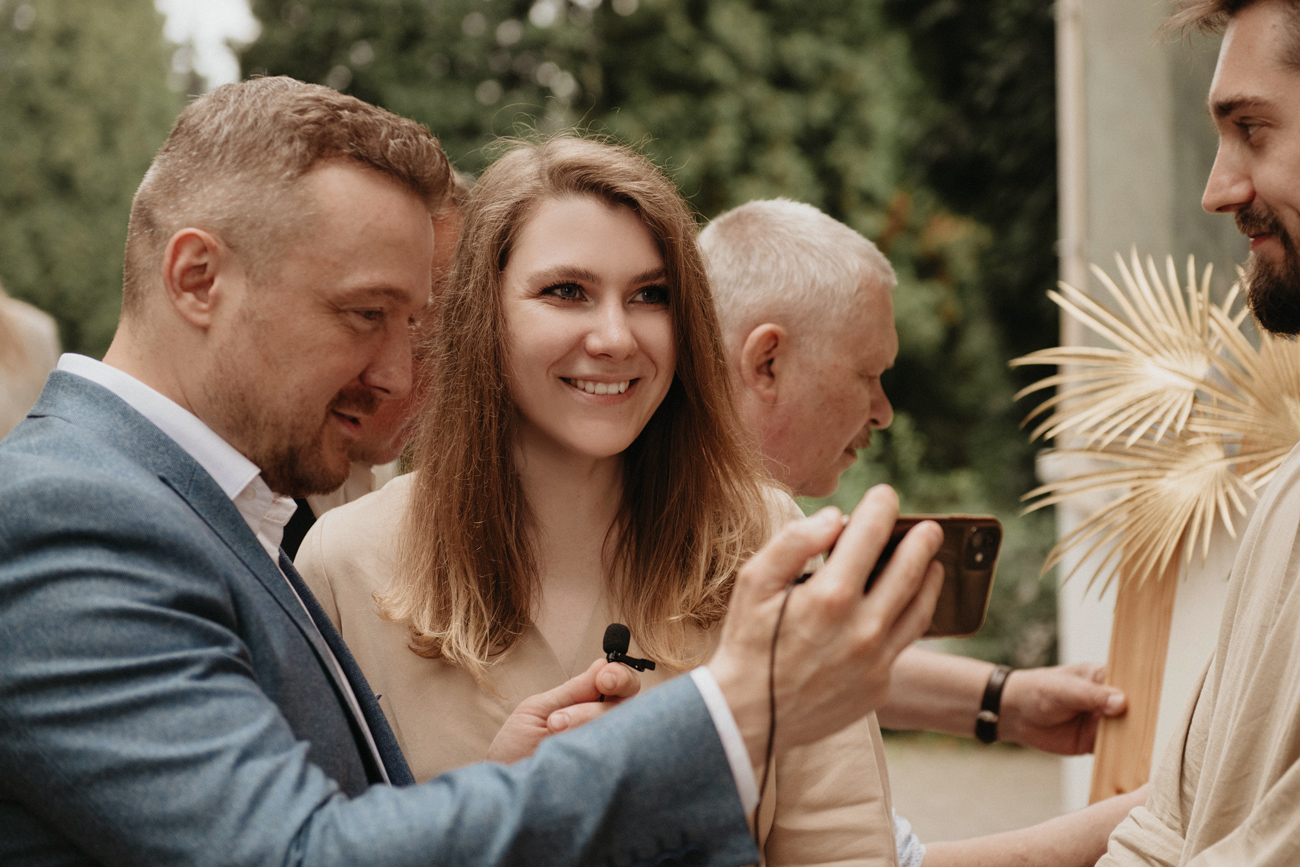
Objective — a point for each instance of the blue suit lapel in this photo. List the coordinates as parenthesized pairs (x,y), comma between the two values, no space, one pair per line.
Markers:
(399,774)
(87,404)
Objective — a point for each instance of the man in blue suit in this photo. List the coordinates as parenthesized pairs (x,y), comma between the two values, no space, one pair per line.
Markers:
(170,692)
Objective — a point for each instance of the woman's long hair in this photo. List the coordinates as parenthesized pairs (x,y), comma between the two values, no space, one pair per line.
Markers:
(693,504)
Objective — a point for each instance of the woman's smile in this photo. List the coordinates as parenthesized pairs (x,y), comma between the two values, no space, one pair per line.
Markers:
(591,386)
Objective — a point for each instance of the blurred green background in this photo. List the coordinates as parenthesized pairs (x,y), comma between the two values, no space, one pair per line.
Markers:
(928,125)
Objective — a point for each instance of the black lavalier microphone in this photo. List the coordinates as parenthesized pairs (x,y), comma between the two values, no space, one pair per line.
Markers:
(617,639)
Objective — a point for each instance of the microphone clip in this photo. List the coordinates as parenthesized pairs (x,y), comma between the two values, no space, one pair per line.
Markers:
(630,661)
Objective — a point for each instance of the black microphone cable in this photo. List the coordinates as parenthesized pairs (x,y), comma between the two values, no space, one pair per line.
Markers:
(771,704)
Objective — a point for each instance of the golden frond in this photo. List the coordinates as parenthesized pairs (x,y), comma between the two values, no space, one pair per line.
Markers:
(1167,497)
(1147,384)
(1188,418)
(1261,407)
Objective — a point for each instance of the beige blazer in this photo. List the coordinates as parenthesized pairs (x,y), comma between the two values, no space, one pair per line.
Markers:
(827,803)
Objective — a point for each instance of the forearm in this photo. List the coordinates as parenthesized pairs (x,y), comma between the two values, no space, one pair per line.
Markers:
(1078,838)
(604,793)
(934,692)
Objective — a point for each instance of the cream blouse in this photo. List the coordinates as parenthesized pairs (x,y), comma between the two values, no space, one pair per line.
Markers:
(826,803)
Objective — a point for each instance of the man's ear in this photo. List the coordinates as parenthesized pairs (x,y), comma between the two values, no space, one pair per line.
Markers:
(762,358)
(192,262)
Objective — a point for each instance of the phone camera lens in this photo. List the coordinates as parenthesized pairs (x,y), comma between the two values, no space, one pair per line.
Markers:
(981,547)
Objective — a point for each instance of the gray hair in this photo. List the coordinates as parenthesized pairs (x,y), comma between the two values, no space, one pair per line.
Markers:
(785,259)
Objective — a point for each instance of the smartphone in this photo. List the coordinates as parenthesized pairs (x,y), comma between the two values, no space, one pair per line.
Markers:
(968,556)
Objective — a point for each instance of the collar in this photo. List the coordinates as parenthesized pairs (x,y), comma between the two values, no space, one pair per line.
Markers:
(237,476)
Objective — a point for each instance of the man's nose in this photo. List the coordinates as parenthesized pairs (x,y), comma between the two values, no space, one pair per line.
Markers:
(389,374)
(1229,188)
(611,335)
(882,411)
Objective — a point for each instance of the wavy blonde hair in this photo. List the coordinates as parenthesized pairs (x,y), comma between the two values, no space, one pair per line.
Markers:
(693,504)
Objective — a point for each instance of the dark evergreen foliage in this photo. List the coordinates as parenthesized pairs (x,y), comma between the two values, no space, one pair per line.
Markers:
(928,125)
(84,105)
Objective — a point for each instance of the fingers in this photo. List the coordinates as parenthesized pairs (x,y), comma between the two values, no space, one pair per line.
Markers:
(915,619)
(577,715)
(899,582)
(783,557)
(614,680)
(576,690)
(1081,688)
(1112,700)
(859,546)
(900,605)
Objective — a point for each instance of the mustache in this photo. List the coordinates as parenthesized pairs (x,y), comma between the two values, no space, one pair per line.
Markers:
(1256,219)
(362,403)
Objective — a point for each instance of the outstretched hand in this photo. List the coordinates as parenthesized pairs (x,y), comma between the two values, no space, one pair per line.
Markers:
(1057,709)
(836,644)
(573,703)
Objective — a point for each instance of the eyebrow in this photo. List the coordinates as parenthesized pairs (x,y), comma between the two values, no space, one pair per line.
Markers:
(1222,108)
(365,293)
(582,275)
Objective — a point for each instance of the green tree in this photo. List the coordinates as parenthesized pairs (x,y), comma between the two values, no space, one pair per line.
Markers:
(84,105)
(823,101)
(817,100)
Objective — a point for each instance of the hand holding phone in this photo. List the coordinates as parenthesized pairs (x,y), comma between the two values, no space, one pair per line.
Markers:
(969,556)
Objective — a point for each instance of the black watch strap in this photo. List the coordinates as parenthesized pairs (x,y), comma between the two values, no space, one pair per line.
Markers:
(986,722)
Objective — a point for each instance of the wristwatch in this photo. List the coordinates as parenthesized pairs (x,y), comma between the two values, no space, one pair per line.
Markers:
(986,721)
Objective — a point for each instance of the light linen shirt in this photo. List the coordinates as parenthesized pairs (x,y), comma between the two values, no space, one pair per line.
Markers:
(265,512)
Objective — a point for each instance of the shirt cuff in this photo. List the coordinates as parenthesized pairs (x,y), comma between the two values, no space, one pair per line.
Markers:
(729,733)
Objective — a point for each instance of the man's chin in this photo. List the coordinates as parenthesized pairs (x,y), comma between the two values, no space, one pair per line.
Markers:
(1273,291)
(301,474)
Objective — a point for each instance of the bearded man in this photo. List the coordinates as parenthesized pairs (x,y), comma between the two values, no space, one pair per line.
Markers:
(1227,789)
(172,694)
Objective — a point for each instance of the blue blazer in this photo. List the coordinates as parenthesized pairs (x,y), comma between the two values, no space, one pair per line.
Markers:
(164,698)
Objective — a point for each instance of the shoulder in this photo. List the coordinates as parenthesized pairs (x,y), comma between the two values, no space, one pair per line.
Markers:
(352,549)
(35,324)
(370,523)
(54,473)
(86,533)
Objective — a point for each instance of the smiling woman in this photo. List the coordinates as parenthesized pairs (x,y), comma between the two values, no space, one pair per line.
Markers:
(591,351)
(579,462)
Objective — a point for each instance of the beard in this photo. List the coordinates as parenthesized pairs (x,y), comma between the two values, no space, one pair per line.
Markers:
(297,455)
(1272,288)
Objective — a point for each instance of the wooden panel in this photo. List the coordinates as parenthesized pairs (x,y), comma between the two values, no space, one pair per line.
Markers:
(1139,644)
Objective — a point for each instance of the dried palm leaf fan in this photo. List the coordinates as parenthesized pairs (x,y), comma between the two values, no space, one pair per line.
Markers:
(1183,420)
(1184,416)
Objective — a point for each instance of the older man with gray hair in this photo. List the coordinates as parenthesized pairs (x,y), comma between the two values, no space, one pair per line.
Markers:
(807,317)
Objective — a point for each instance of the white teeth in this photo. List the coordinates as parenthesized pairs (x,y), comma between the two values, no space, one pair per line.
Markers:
(600,387)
